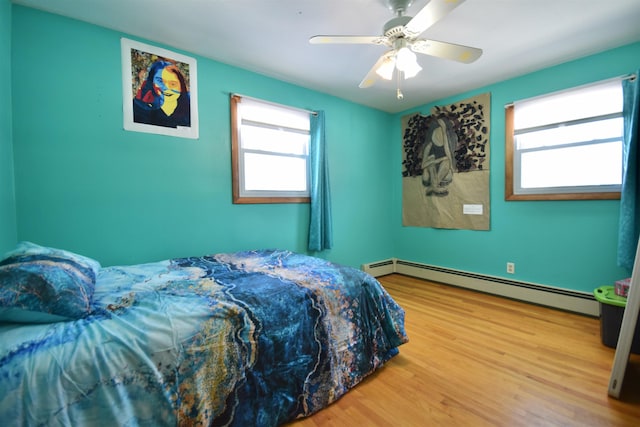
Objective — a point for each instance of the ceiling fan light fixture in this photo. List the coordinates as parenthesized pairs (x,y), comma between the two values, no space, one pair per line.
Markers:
(412,71)
(402,35)
(407,62)
(385,70)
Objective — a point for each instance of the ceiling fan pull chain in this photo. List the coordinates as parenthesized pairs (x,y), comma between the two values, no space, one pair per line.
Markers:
(399,78)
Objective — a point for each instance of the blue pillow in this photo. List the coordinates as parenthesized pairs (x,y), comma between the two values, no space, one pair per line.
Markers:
(40,284)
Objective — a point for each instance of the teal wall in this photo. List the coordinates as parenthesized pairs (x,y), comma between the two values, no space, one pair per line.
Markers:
(85,184)
(7,197)
(568,244)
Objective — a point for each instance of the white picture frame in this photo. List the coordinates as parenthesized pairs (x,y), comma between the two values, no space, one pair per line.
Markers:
(164,103)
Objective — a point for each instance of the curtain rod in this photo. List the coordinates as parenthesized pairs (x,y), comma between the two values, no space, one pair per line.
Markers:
(275,104)
(630,77)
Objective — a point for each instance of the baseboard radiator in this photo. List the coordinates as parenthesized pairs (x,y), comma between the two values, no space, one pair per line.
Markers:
(564,299)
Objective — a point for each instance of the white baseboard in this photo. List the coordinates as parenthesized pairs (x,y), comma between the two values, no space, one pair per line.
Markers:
(380,268)
(564,299)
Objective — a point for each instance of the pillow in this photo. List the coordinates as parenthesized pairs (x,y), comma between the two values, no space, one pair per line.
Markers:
(40,284)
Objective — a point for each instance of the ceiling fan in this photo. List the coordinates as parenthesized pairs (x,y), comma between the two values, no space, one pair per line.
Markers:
(401,34)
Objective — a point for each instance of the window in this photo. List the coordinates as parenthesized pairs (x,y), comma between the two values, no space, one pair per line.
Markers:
(270,152)
(566,145)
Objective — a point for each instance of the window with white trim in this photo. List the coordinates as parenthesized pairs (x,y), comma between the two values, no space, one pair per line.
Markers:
(566,145)
(270,152)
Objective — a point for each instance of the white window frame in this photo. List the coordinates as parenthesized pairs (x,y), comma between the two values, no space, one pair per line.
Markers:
(513,153)
(242,149)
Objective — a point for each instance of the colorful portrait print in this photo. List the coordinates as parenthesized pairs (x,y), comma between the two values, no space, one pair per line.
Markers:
(163,96)
(160,90)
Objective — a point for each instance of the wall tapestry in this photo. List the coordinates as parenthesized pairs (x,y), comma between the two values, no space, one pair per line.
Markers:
(159,91)
(445,166)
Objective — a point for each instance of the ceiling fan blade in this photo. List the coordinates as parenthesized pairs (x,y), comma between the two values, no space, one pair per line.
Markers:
(455,52)
(429,15)
(349,40)
(371,77)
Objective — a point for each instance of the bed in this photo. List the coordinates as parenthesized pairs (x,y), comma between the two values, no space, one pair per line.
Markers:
(255,338)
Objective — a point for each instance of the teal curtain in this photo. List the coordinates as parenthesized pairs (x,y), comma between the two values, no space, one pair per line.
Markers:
(320,231)
(629,197)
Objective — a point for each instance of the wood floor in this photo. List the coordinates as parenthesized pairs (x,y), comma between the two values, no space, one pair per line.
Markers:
(479,360)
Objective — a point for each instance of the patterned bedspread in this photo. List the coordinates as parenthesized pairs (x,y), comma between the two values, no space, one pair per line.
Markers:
(244,339)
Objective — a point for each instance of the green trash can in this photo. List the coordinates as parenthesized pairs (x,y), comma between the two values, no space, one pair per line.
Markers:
(611,312)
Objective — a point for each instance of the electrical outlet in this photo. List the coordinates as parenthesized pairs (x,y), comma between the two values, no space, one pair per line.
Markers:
(511,268)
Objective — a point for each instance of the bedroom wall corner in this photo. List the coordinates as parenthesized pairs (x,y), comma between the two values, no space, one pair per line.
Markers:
(563,244)
(8,228)
(85,184)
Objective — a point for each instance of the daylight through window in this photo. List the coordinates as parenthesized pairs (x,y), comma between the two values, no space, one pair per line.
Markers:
(270,150)
(566,145)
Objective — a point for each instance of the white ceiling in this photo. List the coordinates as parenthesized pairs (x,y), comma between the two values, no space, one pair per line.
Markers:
(270,37)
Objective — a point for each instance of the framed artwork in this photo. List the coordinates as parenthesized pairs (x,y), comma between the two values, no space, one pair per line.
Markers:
(159,91)
(445,160)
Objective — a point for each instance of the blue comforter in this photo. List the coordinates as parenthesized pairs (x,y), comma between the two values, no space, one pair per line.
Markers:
(245,339)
